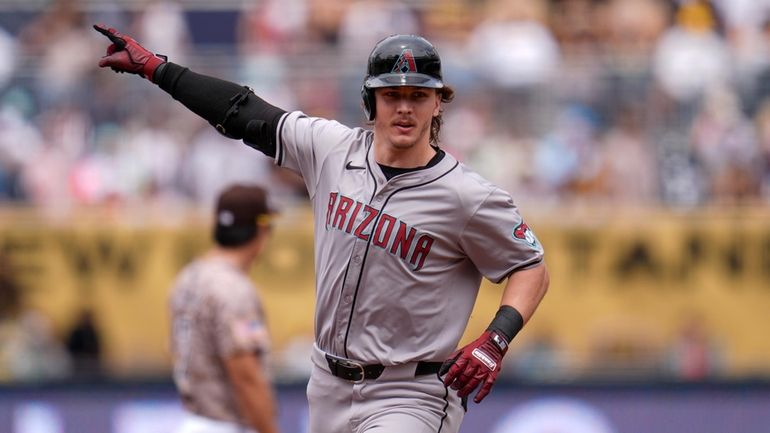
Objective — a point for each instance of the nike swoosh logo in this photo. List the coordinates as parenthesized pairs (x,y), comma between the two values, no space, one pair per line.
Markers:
(350,166)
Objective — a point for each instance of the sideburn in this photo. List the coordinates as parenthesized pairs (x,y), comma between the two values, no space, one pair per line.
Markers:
(435,129)
(447,94)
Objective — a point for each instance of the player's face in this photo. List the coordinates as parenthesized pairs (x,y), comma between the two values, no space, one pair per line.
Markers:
(404,115)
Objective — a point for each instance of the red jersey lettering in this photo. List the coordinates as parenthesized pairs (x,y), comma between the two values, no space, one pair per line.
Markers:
(403,241)
(421,251)
(353,217)
(342,211)
(380,240)
(330,209)
(371,213)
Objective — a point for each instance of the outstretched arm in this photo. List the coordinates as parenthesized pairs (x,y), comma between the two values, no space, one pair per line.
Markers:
(234,110)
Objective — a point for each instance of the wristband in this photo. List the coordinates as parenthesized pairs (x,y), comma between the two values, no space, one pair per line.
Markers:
(507,322)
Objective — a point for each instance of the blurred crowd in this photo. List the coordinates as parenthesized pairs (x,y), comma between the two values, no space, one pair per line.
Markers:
(30,348)
(637,102)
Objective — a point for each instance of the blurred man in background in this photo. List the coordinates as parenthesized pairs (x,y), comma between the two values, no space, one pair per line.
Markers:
(219,337)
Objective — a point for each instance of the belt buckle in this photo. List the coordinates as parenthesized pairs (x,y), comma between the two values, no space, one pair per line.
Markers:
(352,364)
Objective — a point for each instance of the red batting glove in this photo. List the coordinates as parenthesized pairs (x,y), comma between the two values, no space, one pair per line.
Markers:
(477,363)
(126,55)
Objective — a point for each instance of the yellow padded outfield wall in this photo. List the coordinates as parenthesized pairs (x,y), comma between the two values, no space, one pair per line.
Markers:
(624,275)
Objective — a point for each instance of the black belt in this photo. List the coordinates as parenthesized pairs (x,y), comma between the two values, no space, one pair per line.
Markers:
(355,372)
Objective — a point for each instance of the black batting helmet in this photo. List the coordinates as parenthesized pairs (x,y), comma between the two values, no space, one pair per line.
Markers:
(400,60)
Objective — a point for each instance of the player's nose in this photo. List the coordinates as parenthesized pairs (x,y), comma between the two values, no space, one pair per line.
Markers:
(404,106)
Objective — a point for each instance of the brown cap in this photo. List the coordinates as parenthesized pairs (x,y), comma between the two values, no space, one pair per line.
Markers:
(239,209)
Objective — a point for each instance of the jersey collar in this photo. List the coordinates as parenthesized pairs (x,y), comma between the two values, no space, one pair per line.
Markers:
(412,177)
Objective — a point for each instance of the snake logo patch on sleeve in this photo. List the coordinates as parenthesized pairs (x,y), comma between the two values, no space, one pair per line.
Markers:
(523,232)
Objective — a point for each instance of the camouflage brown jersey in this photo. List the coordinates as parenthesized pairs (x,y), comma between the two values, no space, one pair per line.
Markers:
(215,313)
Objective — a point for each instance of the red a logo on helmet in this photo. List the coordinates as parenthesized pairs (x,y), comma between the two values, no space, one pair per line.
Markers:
(405,62)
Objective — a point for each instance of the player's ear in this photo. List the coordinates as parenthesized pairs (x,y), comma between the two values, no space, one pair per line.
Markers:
(437,108)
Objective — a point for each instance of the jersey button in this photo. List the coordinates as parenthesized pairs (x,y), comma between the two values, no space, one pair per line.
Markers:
(348,298)
(357,259)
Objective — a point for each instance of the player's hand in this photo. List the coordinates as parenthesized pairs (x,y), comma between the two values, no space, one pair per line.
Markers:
(126,55)
(475,364)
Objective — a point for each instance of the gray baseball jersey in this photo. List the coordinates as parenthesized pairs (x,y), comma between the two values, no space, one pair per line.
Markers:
(398,262)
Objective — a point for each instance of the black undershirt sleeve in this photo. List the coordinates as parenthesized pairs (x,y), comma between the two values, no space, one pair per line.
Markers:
(233,109)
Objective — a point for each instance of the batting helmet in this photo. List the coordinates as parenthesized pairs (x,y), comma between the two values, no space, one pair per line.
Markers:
(400,60)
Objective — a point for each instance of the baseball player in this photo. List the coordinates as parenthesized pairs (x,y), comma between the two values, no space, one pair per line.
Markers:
(219,339)
(403,235)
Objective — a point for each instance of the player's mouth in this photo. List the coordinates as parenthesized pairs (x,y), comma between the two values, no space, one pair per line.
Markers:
(404,126)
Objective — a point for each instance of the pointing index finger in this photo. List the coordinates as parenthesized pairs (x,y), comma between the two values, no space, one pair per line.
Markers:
(119,42)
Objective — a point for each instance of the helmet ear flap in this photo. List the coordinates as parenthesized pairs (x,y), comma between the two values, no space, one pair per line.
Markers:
(367,95)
